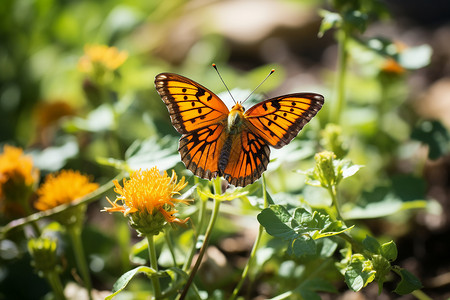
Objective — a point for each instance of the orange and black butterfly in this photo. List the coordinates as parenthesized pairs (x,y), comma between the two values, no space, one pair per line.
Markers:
(234,144)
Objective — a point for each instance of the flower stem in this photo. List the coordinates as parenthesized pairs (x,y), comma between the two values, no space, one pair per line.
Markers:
(74,231)
(333,193)
(212,221)
(170,245)
(202,218)
(255,247)
(55,283)
(419,294)
(154,265)
(338,104)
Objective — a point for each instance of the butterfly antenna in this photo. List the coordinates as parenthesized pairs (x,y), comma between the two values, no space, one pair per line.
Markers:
(215,67)
(270,73)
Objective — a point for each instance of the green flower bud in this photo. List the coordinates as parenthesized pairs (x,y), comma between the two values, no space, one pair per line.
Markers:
(324,170)
(43,253)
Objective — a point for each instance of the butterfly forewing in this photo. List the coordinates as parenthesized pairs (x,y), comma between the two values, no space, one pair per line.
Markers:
(278,120)
(191,105)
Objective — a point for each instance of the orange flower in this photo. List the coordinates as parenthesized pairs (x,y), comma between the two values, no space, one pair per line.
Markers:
(391,66)
(146,194)
(102,57)
(62,188)
(17,177)
(48,113)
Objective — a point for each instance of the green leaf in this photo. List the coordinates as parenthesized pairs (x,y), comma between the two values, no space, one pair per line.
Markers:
(355,20)
(227,196)
(328,234)
(348,169)
(408,283)
(389,251)
(326,247)
(303,245)
(123,281)
(382,267)
(152,152)
(409,187)
(371,244)
(330,20)
(302,217)
(435,135)
(301,230)
(359,272)
(318,284)
(273,222)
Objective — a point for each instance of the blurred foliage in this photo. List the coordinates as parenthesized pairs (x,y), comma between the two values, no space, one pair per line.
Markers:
(100,114)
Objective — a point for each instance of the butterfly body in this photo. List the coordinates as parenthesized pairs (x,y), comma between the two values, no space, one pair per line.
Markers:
(232,143)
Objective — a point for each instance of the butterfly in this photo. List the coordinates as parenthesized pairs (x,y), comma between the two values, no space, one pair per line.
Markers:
(232,143)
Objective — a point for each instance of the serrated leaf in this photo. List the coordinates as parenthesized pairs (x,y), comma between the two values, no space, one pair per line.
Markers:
(302,216)
(274,225)
(359,272)
(408,283)
(371,244)
(389,251)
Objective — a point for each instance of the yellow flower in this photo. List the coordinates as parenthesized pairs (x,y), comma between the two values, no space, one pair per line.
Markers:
(147,197)
(17,178)
(62,188)
(16,167)
(102,57)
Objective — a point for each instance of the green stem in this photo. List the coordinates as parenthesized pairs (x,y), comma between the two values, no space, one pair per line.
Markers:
(212,221)
(55,283)
(338,104)
(420,295)
(74,231)
(170,245)
(333,193)
(154,265)
(255,247)
(202,219)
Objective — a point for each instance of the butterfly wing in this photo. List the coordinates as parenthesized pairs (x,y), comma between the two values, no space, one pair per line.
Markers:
(200,150)
(248,156)
(279,120)
(191,106)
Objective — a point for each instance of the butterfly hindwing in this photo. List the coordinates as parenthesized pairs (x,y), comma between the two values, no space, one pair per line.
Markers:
(191,105)
(278,120)
(200,150)
(247,160)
